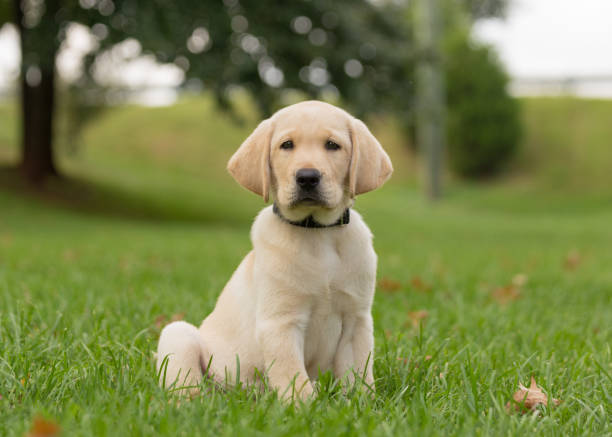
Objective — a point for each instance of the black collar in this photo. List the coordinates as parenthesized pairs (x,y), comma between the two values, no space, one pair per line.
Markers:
(310,222)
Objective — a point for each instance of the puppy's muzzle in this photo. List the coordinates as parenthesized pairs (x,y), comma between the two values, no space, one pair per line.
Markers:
(307,180)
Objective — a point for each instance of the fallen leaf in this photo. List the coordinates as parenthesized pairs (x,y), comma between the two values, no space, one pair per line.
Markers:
(527,399)
(418,284)
(572,260)
(176,317)
(506,294)
(416,317)
(389,285)
(160,321)
(520,279)
(69,255)
(43,428)
(6,239)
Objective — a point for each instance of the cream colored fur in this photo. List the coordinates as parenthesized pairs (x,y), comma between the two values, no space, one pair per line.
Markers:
(300,301)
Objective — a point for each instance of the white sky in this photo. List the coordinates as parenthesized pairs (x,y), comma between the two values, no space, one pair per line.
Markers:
(553,38)
(9,55)
(539,38)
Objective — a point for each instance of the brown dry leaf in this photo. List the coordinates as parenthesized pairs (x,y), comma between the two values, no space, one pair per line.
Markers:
(512,291)
(506,294)
(527,399)
(42,427)
(6,239)
(572,260)
(418,284)
(69,255)
(160,321)
(389,285)
(176,317)
(416,317)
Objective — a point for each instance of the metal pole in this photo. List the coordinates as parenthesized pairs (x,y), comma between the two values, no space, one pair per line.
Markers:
(430,93)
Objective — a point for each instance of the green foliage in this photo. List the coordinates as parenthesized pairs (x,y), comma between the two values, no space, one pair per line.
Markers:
(267,49)
(483,120)
(485,8)
(5,12)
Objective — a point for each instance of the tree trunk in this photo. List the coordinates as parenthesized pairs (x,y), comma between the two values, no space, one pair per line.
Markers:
(37,94)
(37,103)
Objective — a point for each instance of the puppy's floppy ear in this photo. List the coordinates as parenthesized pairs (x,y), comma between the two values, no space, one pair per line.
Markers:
(250,165)
(370,164)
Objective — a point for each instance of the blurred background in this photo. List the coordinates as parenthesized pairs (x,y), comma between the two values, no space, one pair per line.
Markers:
(136,105)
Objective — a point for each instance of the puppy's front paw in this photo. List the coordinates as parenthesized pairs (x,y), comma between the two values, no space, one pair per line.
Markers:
(298,391)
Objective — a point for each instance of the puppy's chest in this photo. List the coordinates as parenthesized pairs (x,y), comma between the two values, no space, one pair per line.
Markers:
(340,291)
(331,265)
(321,339)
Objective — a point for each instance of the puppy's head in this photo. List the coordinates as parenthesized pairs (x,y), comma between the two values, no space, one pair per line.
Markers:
(312,159)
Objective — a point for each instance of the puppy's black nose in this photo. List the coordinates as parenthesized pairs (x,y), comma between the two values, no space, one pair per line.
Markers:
(308,178)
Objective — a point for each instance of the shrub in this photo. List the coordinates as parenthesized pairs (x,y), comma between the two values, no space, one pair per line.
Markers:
(483,126)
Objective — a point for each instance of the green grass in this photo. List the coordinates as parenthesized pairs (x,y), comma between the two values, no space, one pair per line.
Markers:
(91,266)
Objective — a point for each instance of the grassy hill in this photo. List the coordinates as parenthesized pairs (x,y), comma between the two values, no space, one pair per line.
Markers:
(166,158)
(568,144)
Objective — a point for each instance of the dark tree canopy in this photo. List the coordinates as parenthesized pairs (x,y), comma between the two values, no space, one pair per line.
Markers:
(485,8)
(354,47)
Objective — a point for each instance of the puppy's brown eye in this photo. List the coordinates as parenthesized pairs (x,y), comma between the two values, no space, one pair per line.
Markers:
(330,145)
(287,145)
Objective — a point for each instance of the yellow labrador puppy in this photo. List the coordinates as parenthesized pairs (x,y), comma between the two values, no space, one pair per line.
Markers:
(300,301)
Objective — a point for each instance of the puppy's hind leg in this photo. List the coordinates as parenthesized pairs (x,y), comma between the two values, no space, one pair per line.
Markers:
(181,357)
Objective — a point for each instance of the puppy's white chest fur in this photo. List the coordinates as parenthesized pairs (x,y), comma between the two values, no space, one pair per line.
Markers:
(330,271)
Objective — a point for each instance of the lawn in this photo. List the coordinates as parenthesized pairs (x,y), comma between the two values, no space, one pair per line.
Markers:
(476,295)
